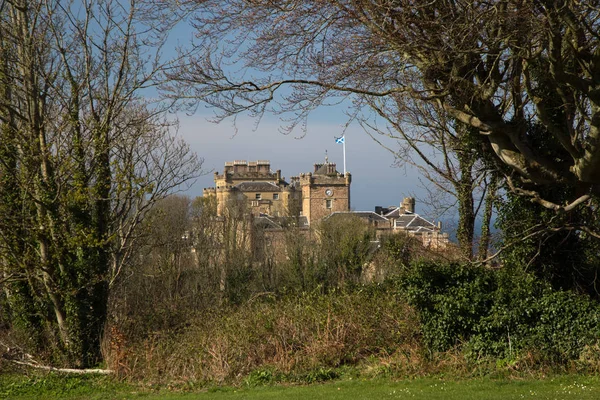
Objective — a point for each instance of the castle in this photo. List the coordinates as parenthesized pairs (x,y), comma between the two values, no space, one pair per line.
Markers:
(312,196)
(308,199)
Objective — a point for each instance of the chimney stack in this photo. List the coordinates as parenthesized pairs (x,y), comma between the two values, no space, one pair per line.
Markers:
(408,204)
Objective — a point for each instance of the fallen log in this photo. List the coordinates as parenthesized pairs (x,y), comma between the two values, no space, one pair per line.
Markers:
(65,370)
(18,356)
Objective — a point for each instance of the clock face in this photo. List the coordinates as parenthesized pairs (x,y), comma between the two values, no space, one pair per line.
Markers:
(329,192)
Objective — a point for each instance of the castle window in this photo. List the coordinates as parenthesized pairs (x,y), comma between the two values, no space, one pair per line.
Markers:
(275,196)
(258,196)
(328,204)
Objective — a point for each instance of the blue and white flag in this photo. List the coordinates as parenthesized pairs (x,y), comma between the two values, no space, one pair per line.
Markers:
(340,140)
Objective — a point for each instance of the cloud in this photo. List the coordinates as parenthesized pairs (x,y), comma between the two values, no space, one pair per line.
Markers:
(374,179)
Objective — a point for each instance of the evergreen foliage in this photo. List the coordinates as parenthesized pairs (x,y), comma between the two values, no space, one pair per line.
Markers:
(500,313)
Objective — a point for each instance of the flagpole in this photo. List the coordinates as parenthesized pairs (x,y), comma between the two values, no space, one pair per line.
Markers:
(342,140)
(344,150)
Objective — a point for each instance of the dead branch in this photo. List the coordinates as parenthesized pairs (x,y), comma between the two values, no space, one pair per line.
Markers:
(17,356)
(65,370)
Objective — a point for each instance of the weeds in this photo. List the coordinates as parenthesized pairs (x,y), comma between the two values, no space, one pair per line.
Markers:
(308,335)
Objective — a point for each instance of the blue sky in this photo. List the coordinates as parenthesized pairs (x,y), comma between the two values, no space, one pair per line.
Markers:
(375,181)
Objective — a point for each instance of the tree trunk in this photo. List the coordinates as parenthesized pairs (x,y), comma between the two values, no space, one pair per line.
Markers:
(484,243)
(466,207)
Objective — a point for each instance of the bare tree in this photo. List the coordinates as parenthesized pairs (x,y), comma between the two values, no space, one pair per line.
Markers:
(447,154)
(83,155)
(522,74)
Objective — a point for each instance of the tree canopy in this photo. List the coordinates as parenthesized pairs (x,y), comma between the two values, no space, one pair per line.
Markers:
(83,157)
(525,74)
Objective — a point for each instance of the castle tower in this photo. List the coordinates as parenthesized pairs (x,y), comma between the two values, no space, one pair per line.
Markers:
(324,191)
(251,187)
(408,204)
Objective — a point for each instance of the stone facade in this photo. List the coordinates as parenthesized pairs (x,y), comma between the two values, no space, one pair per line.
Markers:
(324,191)
(254,188)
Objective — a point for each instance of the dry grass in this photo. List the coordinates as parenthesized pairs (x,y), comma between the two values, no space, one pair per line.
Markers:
(291,336)
(370,330)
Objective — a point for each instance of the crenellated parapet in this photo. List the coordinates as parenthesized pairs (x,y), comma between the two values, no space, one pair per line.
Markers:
(262,191)
(209,192)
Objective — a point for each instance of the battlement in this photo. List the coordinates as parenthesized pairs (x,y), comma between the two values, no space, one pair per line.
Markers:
(260,167)
(336,179)
(325,169)
(211,191)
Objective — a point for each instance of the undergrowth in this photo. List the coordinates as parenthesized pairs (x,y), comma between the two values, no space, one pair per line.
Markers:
(432,319)
(305,337)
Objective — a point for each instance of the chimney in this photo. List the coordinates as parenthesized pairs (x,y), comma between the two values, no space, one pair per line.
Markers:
(408,204)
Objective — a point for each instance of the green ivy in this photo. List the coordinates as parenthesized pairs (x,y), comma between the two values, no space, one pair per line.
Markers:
(500,312)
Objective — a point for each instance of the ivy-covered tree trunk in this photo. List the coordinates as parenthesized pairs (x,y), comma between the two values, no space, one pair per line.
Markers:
(16,261)
(465,147)
(82,159)
(490,198)
(536,240)
(466,211)
(19,304)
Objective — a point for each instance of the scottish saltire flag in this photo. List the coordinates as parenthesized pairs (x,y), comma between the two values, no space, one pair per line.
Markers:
(340,140)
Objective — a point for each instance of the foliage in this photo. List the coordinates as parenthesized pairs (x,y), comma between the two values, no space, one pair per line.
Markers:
(83,157)
(500,313)
(450,299)
(301,336)
(346,244)
(399,249)
(549,245)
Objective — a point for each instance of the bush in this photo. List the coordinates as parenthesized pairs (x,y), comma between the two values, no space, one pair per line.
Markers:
(302,336)
(500,313)
(450,298)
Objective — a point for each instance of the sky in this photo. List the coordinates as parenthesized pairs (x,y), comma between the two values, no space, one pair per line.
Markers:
(375,179)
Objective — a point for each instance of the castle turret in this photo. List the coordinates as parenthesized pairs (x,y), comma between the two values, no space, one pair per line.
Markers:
(324,191)
(408,204)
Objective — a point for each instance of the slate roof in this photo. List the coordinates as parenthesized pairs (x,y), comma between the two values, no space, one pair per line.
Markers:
(257,187)
(408,221)
(392,212)
(268,222)
(368,215)
(265,222)
(414,223)
(322,170)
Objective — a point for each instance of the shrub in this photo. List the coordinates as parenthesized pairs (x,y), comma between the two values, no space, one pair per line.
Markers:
(300,336)
(500,313)
(450,298)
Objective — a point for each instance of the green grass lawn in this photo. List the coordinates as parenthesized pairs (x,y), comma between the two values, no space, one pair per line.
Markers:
(560,387)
